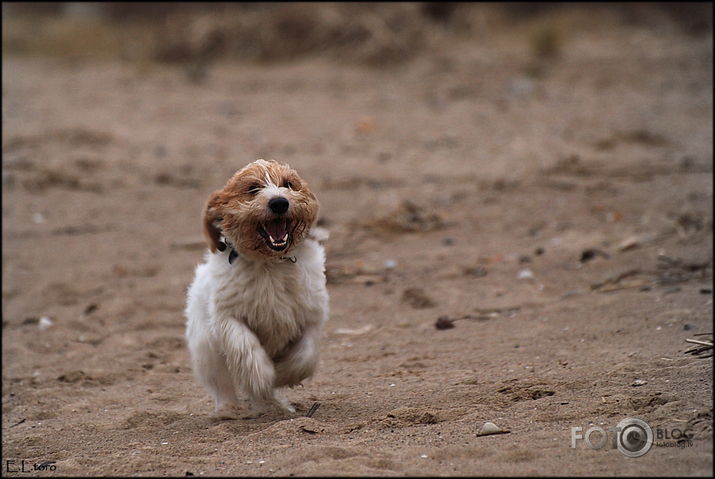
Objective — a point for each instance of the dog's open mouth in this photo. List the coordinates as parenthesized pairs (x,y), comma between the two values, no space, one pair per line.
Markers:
(276,233)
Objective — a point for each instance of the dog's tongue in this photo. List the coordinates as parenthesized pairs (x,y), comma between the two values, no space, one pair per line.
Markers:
(277,229)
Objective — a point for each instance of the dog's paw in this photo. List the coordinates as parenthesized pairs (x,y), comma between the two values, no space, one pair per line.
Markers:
(284,404)
(252,414)
(226,412)
(279,401)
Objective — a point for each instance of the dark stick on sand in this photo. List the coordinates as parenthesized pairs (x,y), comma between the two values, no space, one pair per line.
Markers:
(312,409)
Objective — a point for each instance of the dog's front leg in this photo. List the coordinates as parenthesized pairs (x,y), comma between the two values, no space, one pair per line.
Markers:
(248,362)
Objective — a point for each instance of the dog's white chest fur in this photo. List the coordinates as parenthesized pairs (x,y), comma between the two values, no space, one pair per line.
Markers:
(276,300)
(255,324)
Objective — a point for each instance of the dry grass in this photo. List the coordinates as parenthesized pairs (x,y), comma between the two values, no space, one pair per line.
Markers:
(73,38)
(375,34)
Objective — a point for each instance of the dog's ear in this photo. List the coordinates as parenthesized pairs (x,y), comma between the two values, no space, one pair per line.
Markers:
(212,214)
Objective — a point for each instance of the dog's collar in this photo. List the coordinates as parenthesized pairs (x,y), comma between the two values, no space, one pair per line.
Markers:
(233,254)
(222,245)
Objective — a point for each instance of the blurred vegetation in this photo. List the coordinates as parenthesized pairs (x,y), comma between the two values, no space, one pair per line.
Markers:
(366,33)
(546,42)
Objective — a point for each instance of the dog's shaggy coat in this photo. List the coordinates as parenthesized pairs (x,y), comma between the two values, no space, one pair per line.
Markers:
(257,304)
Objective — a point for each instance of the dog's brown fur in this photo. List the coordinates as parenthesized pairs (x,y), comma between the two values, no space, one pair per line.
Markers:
(237,210)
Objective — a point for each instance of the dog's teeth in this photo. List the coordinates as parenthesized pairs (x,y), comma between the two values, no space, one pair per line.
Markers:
(285,238)
(271,238)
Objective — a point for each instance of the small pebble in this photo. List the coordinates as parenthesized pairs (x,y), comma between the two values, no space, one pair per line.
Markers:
(591,253)
(629,243)
(477,271)
(443,322)
(390,264)
(525,274)
(587,255)
(639,382)
(44,323)
(490,428)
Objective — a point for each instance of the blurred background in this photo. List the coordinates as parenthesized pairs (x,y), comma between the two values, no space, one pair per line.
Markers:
(519,200)
(375,33)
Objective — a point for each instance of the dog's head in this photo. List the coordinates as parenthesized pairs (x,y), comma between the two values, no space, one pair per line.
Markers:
(264,210)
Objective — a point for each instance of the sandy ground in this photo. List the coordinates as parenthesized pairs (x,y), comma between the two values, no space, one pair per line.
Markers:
(561,223)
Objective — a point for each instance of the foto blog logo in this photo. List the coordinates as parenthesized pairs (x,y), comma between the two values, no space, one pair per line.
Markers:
(633,437)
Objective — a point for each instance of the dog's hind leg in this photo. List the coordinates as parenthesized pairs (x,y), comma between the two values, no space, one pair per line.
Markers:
(300,361)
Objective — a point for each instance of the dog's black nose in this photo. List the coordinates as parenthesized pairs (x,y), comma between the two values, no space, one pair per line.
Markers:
(278,205)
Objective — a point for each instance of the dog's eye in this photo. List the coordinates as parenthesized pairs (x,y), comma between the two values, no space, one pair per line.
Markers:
(288,184)
(254,189)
